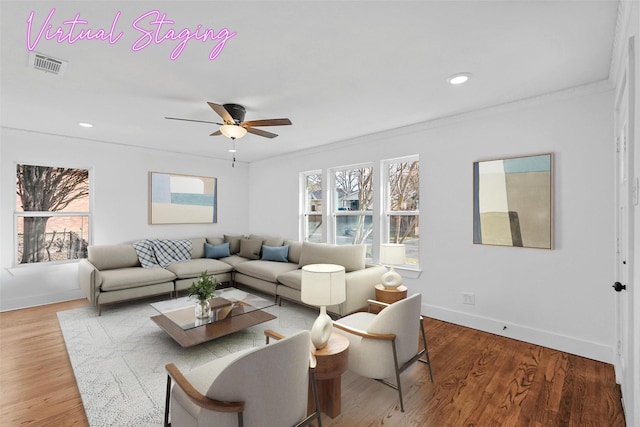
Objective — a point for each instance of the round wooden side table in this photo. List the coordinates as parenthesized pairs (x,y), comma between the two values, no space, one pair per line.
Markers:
(390,295)
(331,363)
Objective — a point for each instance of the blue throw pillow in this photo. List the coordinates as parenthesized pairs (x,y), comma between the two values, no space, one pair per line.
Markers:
(216,251)
(275,253)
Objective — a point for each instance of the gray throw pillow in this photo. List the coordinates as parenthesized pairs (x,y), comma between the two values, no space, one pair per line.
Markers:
(234,243)
(250,248)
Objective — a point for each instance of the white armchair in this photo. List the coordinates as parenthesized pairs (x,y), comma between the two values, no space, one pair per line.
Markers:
(266,385)
(383,345)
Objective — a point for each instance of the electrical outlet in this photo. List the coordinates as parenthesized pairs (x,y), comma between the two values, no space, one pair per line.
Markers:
(468,298)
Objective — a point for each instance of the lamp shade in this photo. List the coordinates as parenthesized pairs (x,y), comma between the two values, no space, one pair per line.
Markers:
(392,254)
(323,284)
(233,131)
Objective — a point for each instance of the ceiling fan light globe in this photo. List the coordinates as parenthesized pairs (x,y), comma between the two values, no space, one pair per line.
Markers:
(233,131)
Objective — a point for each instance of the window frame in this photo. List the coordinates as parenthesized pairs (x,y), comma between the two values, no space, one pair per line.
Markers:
(335,212)
(60,214)
(304,213)
(380,208)
(387,213)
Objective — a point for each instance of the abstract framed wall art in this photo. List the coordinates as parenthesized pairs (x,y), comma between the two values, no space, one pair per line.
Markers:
(182,199)
(513,201)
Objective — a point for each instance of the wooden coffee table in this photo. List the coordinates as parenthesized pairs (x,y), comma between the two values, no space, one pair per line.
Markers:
(233,309)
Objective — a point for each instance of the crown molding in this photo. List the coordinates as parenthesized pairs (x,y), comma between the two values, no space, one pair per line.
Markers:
(111,143)
(560,95)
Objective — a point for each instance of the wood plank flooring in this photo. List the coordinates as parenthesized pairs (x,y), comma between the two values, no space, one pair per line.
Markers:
(480,380)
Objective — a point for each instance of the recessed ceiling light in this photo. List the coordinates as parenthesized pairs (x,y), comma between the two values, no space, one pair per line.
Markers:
(85,125)
(458,79)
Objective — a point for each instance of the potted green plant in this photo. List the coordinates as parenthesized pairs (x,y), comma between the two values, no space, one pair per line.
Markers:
(203,290)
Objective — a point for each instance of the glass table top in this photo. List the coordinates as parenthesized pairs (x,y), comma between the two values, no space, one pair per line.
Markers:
(226,303)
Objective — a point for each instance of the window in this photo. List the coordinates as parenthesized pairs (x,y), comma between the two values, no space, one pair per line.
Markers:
(352,207)
(52,214)
(402,206)
(356,214)
(313,207)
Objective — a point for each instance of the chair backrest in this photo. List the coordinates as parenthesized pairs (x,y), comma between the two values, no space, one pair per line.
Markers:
(402,319)
(273,382)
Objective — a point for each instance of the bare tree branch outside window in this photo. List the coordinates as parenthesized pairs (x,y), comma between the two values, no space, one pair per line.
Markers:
(40,190)
(354,189)
(404,186)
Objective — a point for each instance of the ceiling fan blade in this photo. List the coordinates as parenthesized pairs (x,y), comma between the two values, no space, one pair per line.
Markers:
(260,132)
(222,112)
(267,122)
(216,133)
(191,120)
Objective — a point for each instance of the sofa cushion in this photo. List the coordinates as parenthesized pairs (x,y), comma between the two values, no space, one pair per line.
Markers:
(195,267)
(351,257)
(215,240)
(291,279)
(125,278)
(275,253)
(267,240)
(107,257)
(197,247)
(294,250)
(265,270)
(234,243)
(234,260)
(216,251)
(250,248)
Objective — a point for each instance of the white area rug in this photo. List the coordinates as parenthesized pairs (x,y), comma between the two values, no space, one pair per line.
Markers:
(118,358)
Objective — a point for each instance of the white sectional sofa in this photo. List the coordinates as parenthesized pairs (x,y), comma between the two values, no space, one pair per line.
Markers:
(272,265)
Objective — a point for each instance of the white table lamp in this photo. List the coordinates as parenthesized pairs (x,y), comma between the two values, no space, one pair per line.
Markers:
(392,254)
(323,285)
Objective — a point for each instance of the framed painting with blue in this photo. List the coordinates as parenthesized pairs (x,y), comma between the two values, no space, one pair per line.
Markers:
(182,199)
(513,201)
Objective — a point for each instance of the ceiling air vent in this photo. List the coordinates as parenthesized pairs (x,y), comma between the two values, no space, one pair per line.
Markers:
(46,63)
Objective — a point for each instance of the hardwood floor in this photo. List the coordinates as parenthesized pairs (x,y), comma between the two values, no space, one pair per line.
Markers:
(37,386)
(480,380)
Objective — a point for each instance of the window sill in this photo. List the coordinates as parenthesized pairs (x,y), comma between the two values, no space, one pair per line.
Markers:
(409,273)
(26,269)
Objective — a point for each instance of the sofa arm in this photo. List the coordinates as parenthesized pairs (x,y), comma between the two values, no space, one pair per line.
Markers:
(87,275)
(360,288)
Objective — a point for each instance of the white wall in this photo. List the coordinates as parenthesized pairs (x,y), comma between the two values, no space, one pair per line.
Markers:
(119,189)
(559,298)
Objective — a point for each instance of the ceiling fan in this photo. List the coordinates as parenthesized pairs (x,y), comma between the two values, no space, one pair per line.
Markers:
(234,126)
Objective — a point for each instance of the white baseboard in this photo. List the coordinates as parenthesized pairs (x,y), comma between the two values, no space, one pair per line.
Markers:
(588,349)
(7,304)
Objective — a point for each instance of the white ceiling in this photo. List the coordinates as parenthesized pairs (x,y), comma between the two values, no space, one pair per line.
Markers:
(337,69)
